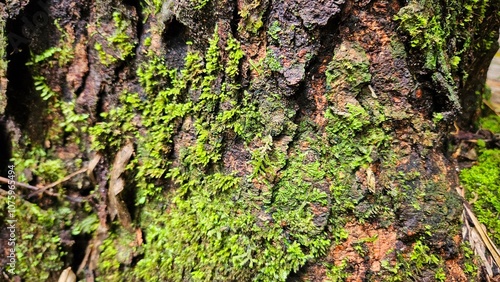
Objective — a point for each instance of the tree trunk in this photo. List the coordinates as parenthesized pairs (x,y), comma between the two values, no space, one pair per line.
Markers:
(240,140)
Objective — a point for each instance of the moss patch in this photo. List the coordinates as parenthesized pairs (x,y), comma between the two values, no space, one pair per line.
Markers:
(440,38)
(491,123)
(482,183)
(39,249)
(215,224)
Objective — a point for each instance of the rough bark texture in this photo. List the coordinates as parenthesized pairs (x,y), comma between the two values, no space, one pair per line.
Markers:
(273,140)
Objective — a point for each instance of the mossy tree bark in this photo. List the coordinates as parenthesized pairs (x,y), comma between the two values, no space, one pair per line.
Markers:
(241,140)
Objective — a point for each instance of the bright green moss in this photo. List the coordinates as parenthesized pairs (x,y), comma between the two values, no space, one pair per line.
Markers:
(482,181)
(424,28)
(116,46)
(410,266)
(39,250)
(167,93)
(437,117)
(119,39)
(36,161)
(215,228)
(199,4)
(274,30)
(104,58)
(115,258)
(215,224)
(271,61)
(151,7)
(492,123)
(235,55)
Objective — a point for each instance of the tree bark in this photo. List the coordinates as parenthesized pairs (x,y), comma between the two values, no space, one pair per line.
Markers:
(240,140)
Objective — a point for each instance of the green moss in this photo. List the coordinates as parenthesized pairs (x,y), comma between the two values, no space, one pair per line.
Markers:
(470,261)
(422,26)
(63,53)
(483,181)
(87,225)
(41,253)
(491,123)
(235,55)
(119,39)
(274,30)
(39,250)
(3,49)
(215,224)
(441,36)
(35,160)
(104,58)
(251,17)
(349,69)
(116,254)
(437,117)
(351,141)
(109,265)
(215,228)
(199,4)
(65,120)
(410,266)
(46,93)
(206,220)
(116,46)
(271,61)
(151,7)
(337,273)
(62,114)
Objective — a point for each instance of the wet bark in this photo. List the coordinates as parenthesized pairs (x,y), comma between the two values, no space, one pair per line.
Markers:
(273,140)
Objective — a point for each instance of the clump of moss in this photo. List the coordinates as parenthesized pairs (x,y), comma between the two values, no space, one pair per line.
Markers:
(349,69)
(470,261)
(350,143)
(215,224)
(251,17)
(39,250)
(271,61)
(482,184)
(440,36)
(491,123)
(214,218)
(116,255)
(118,45)
(199,4)
(411,265)
(3,65)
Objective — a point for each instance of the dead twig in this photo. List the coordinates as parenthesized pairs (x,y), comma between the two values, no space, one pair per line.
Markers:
(64,179)
(18,184)
(44,188)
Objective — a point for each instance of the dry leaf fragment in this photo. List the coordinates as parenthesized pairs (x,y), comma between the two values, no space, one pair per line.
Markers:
(116,204)
(90,168)
(67,276)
